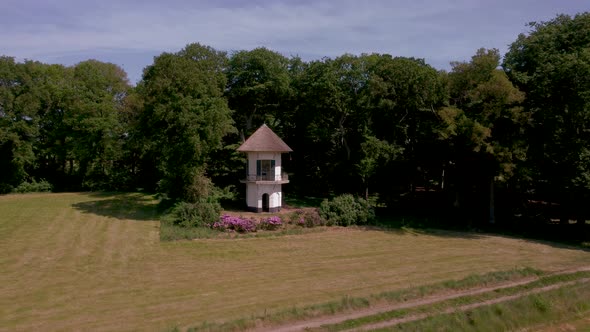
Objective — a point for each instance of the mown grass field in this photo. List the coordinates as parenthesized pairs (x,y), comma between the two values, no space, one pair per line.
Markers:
(83,261)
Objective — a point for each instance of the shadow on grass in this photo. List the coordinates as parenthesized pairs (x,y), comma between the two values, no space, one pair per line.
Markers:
(562,244)
(416,231)
(411,225)
(127,206)
(302,201)
(557,236)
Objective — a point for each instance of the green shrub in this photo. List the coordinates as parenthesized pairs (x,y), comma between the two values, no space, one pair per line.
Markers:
(171,232)
(198,214)
(5,188)
(295,217)
(312,218)
(33,187)
(346,210)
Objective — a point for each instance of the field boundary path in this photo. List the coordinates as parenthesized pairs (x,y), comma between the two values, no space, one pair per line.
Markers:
(432,299)
(466,307)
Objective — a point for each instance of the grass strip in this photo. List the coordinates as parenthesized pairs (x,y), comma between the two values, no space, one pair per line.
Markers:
(470,281)
(169,232)
(564,304)
(348,303)
(444,305)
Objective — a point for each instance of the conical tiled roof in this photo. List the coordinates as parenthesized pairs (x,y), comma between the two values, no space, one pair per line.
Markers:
(264,139)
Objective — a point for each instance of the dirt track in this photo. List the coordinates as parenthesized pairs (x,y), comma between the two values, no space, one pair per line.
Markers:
(334,319)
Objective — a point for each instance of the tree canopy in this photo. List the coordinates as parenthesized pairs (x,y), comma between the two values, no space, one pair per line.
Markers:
(185,116)
(393,128)
(551,64)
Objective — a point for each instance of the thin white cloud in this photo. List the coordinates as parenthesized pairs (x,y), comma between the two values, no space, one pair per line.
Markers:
(439,31)
(337,25)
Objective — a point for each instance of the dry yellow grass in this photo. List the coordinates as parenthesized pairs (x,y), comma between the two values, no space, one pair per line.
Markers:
(82,261)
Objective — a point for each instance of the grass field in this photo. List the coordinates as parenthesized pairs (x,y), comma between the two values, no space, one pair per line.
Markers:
(82,261)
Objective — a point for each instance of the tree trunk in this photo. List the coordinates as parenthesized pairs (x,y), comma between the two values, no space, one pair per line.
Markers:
(492,217)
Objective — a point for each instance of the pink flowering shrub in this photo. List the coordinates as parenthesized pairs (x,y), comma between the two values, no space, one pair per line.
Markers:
(271,223)
(246,225)
(238,224)
(302,218)
(306,218)
(301,222)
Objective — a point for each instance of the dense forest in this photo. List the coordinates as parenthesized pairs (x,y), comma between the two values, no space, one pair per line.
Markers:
(484,141)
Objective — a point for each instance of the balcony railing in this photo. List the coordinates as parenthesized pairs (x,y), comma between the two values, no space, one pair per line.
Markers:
(267,177)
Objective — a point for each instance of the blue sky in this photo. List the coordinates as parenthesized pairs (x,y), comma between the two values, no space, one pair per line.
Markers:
(131,33)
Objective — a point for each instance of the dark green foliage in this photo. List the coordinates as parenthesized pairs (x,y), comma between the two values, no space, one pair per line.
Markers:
(312,218)
(185,117)
(346,210)
(403,96)
(329,123)
(5,188)
(21,86)
(95,125)
(551,64)
(358,117)
(172,232)
(33,187)
(197,214)
(485,118)
(258,86)
(62,123)
(202,208)
(376,153)
(482,128)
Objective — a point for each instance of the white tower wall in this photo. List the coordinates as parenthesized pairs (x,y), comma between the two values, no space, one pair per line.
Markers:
(257,186)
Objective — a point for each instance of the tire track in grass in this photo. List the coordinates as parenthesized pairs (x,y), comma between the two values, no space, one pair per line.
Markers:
(318,322)
(466,307)
(339,318)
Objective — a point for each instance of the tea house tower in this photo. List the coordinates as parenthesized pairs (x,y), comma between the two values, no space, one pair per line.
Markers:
(264,176)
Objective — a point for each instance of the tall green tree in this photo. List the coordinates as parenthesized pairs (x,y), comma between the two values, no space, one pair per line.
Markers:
(130,163)
(61,123)
(330,122)
(19,105)
(185,117)
(355,114)
(55,161)
(483,126)
(551,64)
(94,119)
(258,86)
(403,96)
(258,91)
(375,153)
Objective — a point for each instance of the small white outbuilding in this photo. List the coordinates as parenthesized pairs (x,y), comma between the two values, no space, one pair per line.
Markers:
(264,175)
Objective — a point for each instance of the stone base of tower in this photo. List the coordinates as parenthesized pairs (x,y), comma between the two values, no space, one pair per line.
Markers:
(259,210)
(264,197)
